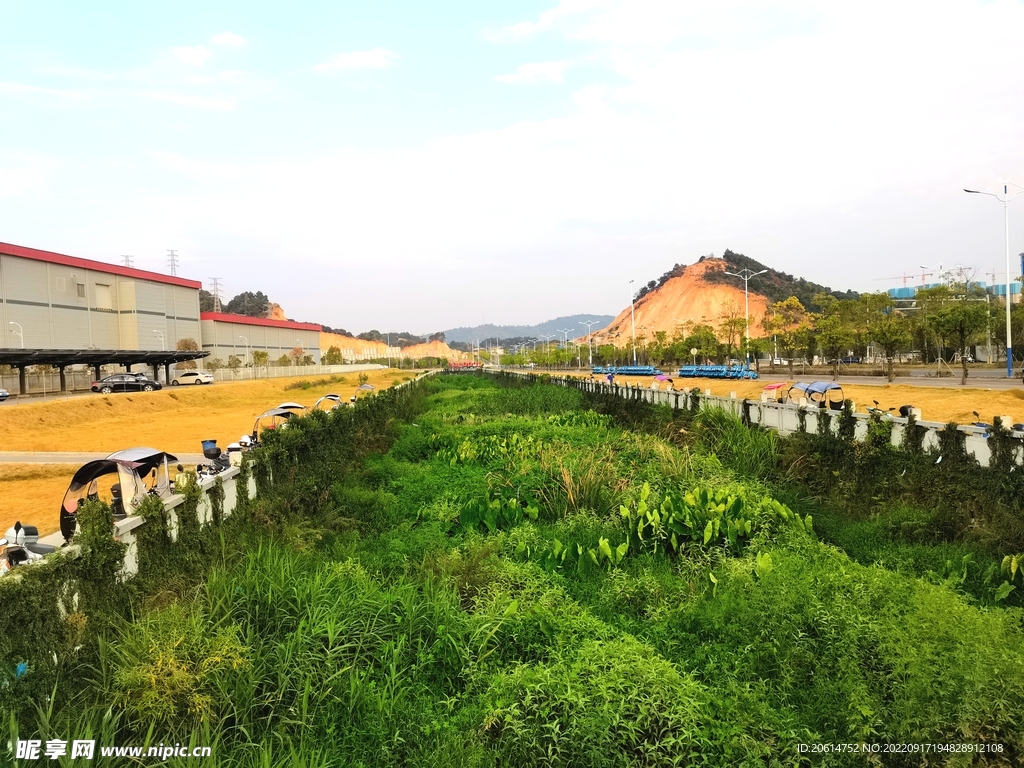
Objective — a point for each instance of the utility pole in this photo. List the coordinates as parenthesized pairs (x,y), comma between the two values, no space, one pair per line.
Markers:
(172,261)
(215,290)
(128,261)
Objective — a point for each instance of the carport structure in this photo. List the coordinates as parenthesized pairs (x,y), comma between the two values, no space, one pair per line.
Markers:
(62,358)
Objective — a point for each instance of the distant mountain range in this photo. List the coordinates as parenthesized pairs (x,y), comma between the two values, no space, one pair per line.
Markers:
(548,328)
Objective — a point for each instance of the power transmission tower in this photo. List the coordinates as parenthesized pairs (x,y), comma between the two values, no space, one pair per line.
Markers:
(172,261)
(128,261)
(215,290)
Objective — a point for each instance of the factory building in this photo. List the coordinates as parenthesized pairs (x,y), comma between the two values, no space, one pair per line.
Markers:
(225,335)
(52,301)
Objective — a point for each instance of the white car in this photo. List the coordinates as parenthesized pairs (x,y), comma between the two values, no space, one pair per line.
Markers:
(191,377)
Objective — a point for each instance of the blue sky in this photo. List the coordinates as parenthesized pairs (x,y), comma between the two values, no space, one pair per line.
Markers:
(412,165)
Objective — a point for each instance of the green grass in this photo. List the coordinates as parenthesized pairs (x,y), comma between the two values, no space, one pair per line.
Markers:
(365,623)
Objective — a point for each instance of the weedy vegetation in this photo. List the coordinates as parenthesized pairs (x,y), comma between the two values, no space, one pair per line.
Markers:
(492,572)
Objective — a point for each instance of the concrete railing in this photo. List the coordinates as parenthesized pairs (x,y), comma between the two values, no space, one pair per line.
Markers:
(125,530)
(785,417)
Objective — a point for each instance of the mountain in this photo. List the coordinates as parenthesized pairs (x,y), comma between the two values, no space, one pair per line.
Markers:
(548,328)
(704,294)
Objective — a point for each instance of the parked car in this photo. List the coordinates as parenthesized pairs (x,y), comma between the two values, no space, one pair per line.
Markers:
(125,382)
(849,360)
(4,394)
(191,377)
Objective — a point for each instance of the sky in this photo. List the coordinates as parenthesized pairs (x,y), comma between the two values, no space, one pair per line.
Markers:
(422,165)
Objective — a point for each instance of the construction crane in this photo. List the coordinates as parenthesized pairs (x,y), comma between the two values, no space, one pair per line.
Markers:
(904,277)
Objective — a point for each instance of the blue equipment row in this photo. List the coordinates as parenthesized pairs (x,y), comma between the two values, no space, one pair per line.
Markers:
(628,370)
(718,372)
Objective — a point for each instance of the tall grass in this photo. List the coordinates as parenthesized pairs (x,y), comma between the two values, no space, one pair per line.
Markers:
(751,452)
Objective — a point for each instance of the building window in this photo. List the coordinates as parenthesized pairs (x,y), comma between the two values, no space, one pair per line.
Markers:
(103,300)
(81,290)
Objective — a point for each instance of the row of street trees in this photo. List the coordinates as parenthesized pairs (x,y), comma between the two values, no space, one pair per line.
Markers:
(945,322)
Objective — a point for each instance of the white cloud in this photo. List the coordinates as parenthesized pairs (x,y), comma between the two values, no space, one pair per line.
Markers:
(216,103)
(376,58)
(548,71)
(196,56)
(228,38)
(547,20)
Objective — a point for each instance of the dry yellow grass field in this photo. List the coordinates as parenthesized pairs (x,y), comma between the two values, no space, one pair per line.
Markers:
(174,419)
(952,403)
(32,493)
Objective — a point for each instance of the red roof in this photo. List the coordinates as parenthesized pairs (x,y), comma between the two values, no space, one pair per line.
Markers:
(224,317)
(99,266)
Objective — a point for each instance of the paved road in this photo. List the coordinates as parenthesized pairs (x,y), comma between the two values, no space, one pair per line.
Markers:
(58,457)
(975,380)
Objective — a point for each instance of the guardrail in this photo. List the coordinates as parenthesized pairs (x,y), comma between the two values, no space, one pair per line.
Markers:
(785,417)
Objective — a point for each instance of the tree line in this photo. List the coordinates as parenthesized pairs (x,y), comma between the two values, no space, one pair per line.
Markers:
(946,323)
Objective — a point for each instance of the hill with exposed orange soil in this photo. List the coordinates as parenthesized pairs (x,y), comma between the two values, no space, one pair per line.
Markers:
(362,348)
(433,349)
(686,298)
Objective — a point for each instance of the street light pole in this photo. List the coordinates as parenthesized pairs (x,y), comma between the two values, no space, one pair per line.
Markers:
(1005,199)
(20,332)
(590,341)
(248,353)
(565,340)
(746,274)
(632,318)
(163,346)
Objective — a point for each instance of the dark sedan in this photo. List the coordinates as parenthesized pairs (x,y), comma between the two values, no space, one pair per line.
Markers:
(125,382)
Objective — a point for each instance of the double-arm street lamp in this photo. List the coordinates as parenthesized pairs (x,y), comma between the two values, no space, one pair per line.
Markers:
(590,340)
(746,274)
(1005,199)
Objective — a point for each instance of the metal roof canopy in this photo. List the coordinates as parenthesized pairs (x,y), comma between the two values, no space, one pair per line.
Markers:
(61,358)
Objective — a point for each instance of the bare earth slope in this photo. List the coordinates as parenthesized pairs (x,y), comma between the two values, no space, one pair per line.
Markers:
(687,297)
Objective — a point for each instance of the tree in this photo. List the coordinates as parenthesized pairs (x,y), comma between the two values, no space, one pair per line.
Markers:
(833,333)
(234,362)
(186,345)
(788,321)
(439,336)
(206,302)
(960,323)
(757,347)
(834,337)
(704,340)
(296,355)
(284,361)
(249,304)
(260,358)
(214,364)
(332,356)
(891,332)
(732,324)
